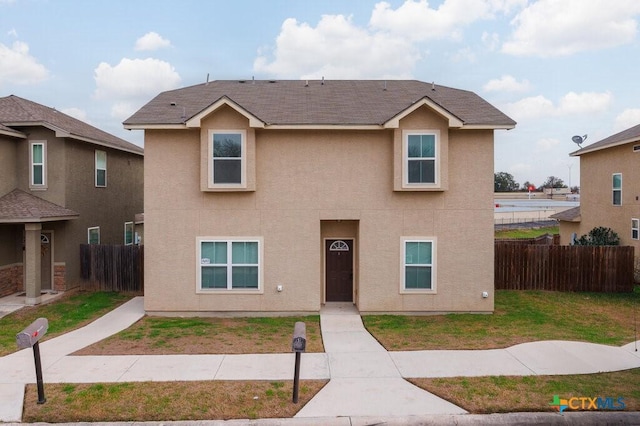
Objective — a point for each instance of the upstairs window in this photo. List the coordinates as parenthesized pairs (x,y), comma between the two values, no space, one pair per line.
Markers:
(228,156)
(617,189)
(420,157)
(635,229)
(101,169)
(38,169)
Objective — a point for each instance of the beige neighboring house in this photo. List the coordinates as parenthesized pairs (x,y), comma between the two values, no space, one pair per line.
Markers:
(278,196)
(609,190)
(62,183)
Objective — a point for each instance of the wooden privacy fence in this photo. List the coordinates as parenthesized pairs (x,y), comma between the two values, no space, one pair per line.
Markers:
(113,267)
(607,269)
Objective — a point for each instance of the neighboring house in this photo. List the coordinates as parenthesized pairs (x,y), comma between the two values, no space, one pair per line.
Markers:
(62,183)
(609,190)
(279,196)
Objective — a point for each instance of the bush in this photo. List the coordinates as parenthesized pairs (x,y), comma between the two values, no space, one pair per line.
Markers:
(599,236)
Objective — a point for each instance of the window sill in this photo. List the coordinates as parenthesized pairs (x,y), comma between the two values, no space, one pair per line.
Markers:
(418,291)
(221,291)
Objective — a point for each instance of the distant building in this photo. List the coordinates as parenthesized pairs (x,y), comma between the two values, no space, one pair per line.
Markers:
(62,183)
(609,190)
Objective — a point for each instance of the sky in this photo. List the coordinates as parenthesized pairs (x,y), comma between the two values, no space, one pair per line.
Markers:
(558,67)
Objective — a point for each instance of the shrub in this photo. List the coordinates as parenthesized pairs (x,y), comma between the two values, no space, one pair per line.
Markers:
(599,236)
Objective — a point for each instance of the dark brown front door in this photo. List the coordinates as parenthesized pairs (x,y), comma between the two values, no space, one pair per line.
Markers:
(339,270)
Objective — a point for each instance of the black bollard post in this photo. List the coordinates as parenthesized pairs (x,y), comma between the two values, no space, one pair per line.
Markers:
(298,345)
(296,378)
(39,381)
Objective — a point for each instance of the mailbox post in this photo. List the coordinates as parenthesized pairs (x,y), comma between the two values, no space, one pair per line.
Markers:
(29,337)
(298,345)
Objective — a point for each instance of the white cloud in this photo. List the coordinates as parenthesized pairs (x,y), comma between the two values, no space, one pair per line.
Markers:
(563,27)
(17,66)
(507,83)
(387,48)
(582,103)
(571,103)
(151,41)
(132,82)
(532,107)
(628,118)
(78,113)
(13,33)
(336,48)
(416,20)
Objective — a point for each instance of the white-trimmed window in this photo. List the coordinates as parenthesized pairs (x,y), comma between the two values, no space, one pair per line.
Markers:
(635,229)
(616,184)
(227,158)
(38,164)
(93,235)
(420,158)
(128,233)
(229,264)
(418,265)
(101,169)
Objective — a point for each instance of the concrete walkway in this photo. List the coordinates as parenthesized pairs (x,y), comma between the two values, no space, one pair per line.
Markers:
(365,380)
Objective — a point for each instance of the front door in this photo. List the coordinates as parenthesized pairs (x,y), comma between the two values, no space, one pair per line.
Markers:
(339,270)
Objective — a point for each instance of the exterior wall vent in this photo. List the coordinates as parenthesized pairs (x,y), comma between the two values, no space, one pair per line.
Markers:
(636,148)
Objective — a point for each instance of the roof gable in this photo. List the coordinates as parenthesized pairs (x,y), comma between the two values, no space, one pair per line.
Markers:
(624,137)
(296,103)
(19,112)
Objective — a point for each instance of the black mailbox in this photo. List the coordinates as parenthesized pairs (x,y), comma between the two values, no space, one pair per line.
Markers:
(30,335)
(299,337)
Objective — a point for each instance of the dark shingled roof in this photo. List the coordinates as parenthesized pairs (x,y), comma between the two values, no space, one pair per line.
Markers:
(19,112)
(330,102)
(626,136)
(18,207)
(570,215)
(4,130)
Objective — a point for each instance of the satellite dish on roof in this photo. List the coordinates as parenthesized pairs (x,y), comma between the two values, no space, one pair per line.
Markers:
(578,140)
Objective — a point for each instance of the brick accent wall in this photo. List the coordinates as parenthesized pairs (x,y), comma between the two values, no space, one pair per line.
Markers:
(59,283)
(10,279)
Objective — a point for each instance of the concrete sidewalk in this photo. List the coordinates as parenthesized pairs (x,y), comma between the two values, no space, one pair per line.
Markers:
(365,379)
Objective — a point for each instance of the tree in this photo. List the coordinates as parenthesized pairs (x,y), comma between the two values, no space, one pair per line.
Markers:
(504,182)
(599,236)
(553,182)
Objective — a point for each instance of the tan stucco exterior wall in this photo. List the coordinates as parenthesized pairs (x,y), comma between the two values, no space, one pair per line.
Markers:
(305,182)
(596,205)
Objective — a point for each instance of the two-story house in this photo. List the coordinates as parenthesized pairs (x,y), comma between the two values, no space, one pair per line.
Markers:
(609,190)
(62,183)
(279,196)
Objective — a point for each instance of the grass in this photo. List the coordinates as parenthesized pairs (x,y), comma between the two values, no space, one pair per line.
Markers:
(502,394)
(162,335)
(70,311)
(519,317)
(526,232)
(166,401)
